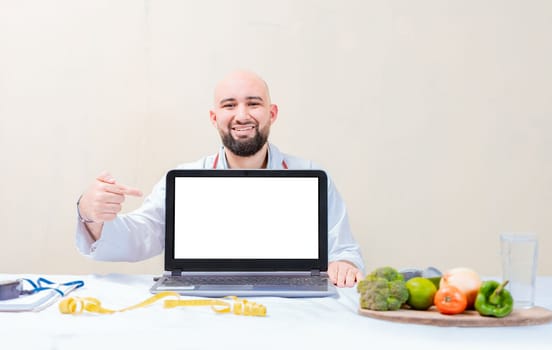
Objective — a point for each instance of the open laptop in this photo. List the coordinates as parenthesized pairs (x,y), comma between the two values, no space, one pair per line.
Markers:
(246,233)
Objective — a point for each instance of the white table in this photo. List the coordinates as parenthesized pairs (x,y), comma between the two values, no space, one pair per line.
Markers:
(290,324)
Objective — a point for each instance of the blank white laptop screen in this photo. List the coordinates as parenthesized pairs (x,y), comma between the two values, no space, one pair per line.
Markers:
(246,218)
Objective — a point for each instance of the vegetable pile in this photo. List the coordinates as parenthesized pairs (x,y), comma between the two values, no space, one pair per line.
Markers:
(459,289)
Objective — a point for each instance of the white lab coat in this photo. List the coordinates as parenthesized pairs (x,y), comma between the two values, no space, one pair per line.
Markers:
(140,234)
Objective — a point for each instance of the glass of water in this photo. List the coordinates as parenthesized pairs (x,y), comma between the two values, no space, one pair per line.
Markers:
(519,253)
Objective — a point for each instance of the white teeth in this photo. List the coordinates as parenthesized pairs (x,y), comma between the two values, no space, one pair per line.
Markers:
(243,129)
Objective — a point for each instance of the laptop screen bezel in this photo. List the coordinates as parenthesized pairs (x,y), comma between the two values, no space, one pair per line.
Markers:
(244,265)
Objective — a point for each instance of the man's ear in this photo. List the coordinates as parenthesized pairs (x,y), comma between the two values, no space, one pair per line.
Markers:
(273,113)
(213,118)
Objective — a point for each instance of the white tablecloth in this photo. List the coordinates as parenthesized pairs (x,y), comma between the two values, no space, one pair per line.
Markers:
(290,324)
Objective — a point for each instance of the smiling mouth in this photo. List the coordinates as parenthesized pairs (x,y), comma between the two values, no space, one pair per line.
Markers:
(243,128)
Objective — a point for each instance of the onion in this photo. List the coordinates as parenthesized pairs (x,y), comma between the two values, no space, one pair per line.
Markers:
(465,279)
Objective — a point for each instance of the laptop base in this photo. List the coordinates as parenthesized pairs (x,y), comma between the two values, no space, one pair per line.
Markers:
(171,283)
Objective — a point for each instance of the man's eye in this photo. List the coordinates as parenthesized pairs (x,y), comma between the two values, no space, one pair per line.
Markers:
(254,104)
(228,105)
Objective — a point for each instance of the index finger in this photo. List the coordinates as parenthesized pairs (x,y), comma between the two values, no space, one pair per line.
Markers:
(123,190)
(131,191)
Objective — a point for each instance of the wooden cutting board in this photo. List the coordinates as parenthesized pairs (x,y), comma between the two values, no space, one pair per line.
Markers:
(471,318)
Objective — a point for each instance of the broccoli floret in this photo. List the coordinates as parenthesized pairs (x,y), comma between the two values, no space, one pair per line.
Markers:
(383,289)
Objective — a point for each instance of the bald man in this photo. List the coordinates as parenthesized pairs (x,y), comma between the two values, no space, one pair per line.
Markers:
(243,114)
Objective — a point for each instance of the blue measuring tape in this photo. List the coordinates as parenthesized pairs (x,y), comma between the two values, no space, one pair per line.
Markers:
(13,289)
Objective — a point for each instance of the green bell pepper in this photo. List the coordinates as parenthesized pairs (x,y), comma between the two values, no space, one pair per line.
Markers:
(494,300)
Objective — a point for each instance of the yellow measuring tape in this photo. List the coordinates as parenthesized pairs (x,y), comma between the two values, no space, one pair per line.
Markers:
(78,305)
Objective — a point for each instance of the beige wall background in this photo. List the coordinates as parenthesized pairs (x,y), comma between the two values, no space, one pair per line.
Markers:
(433,117)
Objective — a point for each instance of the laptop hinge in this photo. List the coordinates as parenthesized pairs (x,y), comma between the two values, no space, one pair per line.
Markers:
(176,273)
(315,272)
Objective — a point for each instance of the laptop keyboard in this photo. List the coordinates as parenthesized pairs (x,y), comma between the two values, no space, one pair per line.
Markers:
(247,280)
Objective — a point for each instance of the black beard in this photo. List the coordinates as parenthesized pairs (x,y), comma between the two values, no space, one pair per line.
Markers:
(247,147)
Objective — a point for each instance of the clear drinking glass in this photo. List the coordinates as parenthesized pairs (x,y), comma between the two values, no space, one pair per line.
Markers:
(519,253)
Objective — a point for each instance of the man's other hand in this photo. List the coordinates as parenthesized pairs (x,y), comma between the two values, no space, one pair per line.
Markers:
(343,273)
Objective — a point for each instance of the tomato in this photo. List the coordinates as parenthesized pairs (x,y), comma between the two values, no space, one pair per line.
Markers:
(450,300)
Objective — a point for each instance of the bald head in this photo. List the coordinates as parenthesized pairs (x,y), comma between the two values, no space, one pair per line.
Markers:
(241,83)
(243,114)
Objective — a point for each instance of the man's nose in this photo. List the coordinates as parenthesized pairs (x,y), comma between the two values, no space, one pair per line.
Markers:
(242,113)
